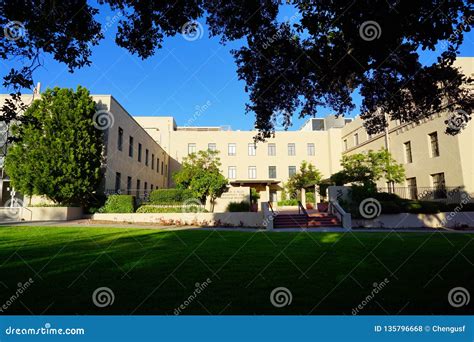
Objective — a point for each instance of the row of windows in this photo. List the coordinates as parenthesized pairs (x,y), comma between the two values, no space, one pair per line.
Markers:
(163,168)
(118,184)
(252,172)
(434,148)
(437,180)
(252,149)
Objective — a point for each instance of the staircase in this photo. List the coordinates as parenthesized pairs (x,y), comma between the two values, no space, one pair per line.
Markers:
(304,221)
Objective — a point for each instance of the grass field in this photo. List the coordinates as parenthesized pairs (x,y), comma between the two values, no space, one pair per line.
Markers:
(155,272)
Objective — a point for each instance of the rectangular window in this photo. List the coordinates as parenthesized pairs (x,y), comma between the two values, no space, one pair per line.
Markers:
(129,185)
(412,190)
(157,165)
(162,168)
(356,139)
(138,188)
(151,187)
(139,152)
(232,172)
(145,188)
(252,172)
(291,170)
(408,155)
(345,144)
(166,170)
(231,149)
(191,148)
(120,139)
(434,144)
(130,147)
(311,150)
(439,184)
(146,157)
(152,161)
(252,149)
(118,181)
(272,172)
(212,147)
(291,149)
(272,149)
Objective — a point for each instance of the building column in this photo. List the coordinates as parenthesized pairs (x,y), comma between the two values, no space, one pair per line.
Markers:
(303,197)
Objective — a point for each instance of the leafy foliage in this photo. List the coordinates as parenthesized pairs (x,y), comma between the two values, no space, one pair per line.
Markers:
(317,58)
(155,209)
(308,174)
(368,168)
(170,196)
(238,207)
(200,173)
(60,155)
(119,204)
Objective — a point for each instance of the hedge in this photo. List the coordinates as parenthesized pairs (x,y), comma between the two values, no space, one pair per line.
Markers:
(155,209)
(238,207)
(170,196)
(119,204)
(288,202)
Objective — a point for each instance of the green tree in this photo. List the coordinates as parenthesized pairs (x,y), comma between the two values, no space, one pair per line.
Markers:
(367,169)
(200,172)
(58,153)
(308,174)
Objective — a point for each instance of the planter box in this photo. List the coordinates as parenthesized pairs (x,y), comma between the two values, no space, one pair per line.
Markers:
(51,213)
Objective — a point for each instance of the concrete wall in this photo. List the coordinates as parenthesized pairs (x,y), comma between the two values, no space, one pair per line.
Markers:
(447,220)
(50,213)
(195,219)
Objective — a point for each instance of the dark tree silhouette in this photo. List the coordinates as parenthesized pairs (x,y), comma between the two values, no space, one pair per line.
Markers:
(319,57)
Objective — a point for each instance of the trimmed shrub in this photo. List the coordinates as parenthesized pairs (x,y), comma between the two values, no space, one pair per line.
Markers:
(119,204)
(156,209)
(170,196)
(310,197)
(238,207)
(386,197)
(390,207)
(288,202)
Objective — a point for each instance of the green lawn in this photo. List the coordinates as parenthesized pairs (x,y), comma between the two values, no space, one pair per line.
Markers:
(154,272)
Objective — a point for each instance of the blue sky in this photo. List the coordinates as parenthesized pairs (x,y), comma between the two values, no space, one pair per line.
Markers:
(178,80)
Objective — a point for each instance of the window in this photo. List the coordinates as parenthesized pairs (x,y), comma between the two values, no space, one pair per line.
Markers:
(146,186)
(157,165)
(118,181)
(252,172)
(439,184)
(291,170)
(151,187)
(120,139)
(291,149)
(139,152)
(434,144)
(231,173)
(130,147)
(129,185)
(152,161)
(191,148)
(345,144)
(146,157)
(408,155)
(231,150)
(252,149)
(356,139)
(272,172)
(412,190)
(272,149)
(212,147)
(162,168)
(138,188)
(310,149)
(166,170)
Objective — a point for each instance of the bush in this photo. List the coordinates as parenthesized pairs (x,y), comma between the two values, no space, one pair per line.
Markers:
(310,197)
(170,196)
(386,197)
(289,202)
(390,207)
(239,207)
(423,207)
(156,209)
(119,204)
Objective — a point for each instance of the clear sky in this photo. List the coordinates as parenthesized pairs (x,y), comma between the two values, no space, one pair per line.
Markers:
(178,80)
